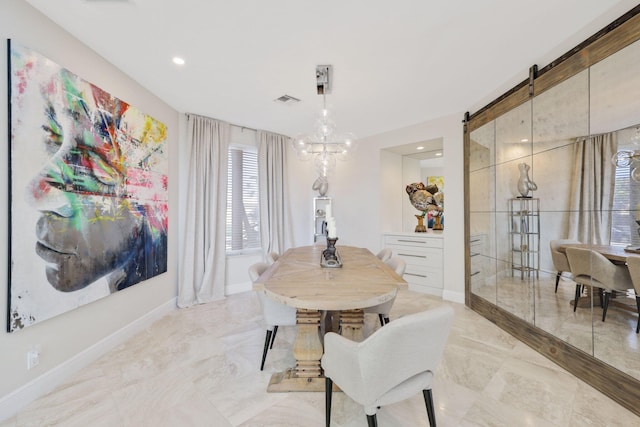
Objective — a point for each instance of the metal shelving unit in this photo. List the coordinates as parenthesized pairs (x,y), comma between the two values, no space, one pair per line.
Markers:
(524,235)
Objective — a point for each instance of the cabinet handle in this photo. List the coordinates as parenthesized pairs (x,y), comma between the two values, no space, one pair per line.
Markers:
(416,275)
(475,254)
(474,241)
(473,274)
(412,241)
(415,256)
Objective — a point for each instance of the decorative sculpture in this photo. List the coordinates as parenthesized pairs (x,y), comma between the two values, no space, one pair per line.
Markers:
(330,257)
(321,185)
(425,199)
(525,184)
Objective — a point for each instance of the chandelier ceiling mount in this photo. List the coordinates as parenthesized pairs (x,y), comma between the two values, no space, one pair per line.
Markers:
(324,145)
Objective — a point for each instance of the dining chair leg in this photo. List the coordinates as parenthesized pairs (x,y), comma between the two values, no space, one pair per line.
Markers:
(381,317)
(386,320)
(428,400)
(607,295)
(600,292)
(267,339)
(578,293)
(328,392)
(558,274)
(273,337)
(372,421)
(638,304)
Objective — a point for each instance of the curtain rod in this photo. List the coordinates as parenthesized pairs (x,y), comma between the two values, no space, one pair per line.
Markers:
(230,124)
(637,126)
(242,128)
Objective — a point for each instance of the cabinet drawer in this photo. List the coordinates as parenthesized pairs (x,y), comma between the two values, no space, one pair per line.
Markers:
(419,256)
(422,242)
(423,277)
(476,261)
(477,278)
(477,245)
(476,240)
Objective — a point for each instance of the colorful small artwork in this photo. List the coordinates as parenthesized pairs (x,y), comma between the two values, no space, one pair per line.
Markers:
(436,180)
(89,195)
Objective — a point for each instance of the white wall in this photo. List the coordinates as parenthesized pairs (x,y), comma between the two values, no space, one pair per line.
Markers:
(449,128)
(391,190)
(367,192)
(427,171)
(72,339)
(366,203)
(411,172)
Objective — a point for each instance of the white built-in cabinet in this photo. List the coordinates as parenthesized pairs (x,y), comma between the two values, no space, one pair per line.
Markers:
(423,254)
(477,252)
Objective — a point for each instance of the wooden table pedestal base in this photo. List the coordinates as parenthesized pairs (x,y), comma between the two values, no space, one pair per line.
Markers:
(307,375)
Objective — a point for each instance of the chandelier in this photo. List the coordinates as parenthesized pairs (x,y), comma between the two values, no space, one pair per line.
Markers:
(629,158)
(324,146)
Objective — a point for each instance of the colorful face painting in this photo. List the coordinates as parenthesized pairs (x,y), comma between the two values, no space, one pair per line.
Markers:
(88,191)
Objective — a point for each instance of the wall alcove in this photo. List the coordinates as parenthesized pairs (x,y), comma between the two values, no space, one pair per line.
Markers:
(551,121)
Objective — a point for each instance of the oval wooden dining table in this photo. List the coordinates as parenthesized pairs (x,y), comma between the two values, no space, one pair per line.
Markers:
(298,280)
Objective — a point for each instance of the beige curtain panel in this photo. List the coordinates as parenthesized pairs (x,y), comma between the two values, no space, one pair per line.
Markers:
(275,223)
(202,267)
(592,187)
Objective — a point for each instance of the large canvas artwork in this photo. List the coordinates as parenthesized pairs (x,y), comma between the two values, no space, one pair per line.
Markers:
(88,191)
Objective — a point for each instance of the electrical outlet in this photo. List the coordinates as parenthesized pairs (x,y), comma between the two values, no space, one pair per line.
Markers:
(33,358)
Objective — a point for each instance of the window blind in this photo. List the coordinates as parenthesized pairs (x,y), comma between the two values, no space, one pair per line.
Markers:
(243,215)
(621,219)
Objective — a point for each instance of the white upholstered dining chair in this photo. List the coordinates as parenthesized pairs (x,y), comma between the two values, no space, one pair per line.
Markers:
(591,268)
(391,365)
(384,254)
(633,263)
(274,314)
(560,260)
(272,257)
(382,310)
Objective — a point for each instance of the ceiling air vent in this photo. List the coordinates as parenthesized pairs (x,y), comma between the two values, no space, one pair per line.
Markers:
(287,99)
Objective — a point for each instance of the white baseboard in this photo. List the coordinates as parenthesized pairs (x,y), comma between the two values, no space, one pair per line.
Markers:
(453,296)
(17,400)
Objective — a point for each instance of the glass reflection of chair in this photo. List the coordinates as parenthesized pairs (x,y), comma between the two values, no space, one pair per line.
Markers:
(560,261)
(390,366)
(382,310)
(633,263)
(591,268)
(274,314)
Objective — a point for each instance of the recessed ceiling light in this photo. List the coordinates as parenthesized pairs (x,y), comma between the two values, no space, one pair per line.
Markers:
(178,61)
(524,140)
(438,154)
(420,148)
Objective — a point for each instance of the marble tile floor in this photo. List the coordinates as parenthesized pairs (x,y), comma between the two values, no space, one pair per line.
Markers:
(614,341)
(200,367)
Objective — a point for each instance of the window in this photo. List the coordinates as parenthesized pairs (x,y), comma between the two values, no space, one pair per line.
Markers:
(243,214)
(626,197)
(620,218)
